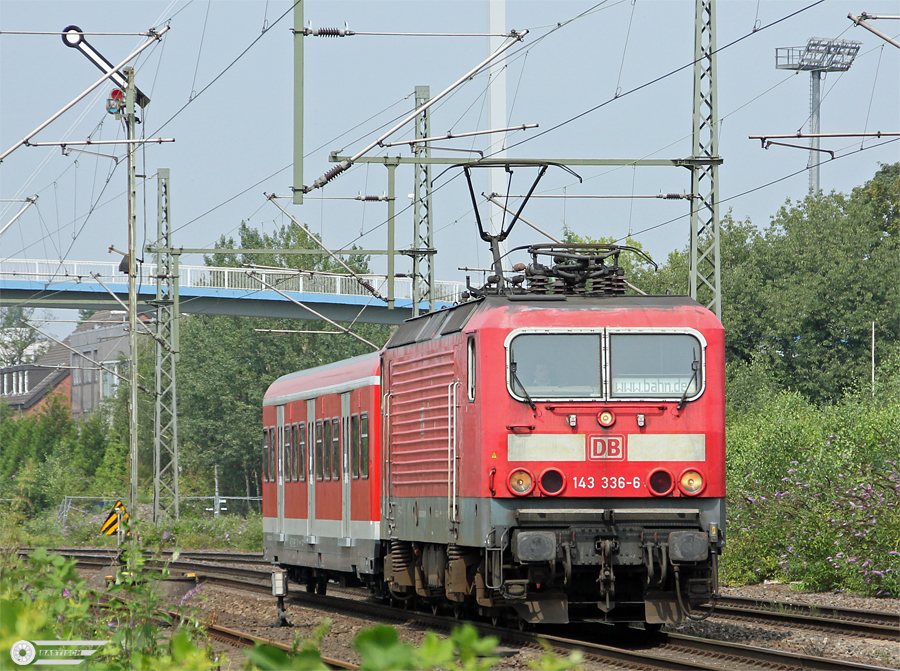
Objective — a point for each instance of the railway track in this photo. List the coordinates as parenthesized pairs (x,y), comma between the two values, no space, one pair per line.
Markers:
(240,639)
(666,651)
(868,623)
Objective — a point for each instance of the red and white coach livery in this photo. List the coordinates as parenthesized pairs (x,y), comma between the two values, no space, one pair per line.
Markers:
(550,448)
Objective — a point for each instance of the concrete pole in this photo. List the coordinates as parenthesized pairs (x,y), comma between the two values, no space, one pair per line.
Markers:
(132,293)
(298,103)
(815,106)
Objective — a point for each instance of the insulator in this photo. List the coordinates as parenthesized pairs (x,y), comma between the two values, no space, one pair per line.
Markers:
(331,174)
(371,199)
(328,32)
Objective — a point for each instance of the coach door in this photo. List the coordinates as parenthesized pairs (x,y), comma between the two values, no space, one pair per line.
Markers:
(280,470)
(345,461)
(311,464)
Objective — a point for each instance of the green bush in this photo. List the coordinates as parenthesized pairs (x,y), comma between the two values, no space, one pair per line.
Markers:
(814,492)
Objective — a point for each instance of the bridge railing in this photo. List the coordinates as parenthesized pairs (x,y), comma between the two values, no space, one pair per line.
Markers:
(213,277)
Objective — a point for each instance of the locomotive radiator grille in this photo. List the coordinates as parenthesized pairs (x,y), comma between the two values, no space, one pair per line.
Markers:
(419,424)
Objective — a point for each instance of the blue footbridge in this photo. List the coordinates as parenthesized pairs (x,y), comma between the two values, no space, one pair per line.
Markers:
(43,283)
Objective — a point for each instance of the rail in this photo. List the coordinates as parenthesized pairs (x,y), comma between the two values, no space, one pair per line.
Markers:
(213,277)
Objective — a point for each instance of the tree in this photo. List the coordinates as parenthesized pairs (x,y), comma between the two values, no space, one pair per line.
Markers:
(226,365)
(802,296)
(18,343)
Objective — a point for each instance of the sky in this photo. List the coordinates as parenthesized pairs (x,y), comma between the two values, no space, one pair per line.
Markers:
(601,79)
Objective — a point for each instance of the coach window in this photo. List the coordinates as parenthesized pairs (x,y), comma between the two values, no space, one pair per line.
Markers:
(364,444)
(471,369)
(301,451)
(265,459)
(273,454)
(354,446)
(288,453)
(326,450)
(336,448)
(655,365)
(319,459)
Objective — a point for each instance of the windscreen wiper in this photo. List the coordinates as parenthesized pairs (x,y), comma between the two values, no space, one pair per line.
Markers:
(696,366)
(512,369)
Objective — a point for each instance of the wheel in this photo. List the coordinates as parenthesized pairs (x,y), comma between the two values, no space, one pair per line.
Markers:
(522,624)
(496,620)
(459,611)
(322,586)
(435,607)
(311,587)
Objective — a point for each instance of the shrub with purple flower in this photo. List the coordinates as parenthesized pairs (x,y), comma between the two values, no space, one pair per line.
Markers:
(814,496)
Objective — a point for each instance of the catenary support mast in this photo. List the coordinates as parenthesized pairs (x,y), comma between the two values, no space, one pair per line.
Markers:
(130,91)
(705,279)
(423,232)
(165,425)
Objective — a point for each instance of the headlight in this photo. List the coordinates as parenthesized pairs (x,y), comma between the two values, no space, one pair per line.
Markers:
(691,482)
(521,482)
(661,482)
(606,418)
(552,482)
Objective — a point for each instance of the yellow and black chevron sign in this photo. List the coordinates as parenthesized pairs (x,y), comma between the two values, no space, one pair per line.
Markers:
(111,525)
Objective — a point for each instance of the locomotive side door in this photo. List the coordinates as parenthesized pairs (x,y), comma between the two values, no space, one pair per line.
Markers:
(279,529)
(345,461)
(311,464)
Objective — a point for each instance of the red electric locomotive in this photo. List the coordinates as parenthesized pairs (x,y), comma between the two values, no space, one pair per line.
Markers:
(551,446)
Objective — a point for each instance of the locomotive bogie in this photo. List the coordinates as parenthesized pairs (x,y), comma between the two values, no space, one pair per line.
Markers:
(557,458)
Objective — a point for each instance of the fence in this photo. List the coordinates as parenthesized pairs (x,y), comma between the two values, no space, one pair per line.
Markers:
(211,277)
(199,505)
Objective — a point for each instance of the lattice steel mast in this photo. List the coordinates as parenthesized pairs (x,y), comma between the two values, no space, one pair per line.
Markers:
(165,424)
(423,224)
(705,280)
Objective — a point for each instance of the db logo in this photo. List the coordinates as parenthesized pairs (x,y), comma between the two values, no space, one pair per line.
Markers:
(609,448)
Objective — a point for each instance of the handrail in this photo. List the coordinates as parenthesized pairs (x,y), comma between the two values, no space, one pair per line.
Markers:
(216,277)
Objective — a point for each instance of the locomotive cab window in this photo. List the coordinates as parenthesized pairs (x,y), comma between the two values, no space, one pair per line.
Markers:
(555,365)
(614,364)
(470,369)
(655,365)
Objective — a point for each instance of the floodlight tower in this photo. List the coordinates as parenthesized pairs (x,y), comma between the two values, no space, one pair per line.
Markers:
(820,55)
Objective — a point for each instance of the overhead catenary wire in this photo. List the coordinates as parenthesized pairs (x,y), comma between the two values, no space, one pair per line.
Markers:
(663,76)
(309,31)
(83,356)
(306,307)
(346,163)
(157,36)
(362,281)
